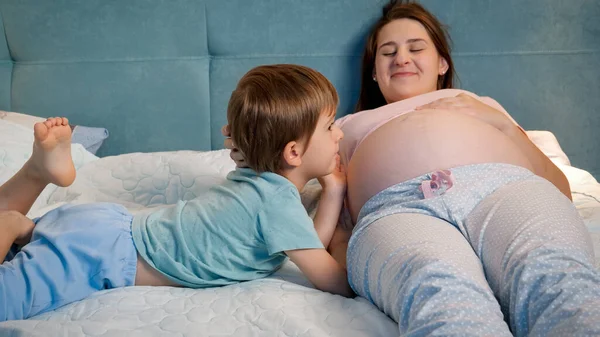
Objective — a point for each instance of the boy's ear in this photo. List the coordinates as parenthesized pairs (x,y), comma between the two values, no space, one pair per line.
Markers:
(292,154)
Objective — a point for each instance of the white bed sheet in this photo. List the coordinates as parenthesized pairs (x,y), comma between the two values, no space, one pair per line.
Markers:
(280,305)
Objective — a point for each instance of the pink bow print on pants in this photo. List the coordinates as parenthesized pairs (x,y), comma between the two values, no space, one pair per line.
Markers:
(441,181)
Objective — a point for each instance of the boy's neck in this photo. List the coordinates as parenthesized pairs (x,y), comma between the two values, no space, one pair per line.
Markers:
(295,176)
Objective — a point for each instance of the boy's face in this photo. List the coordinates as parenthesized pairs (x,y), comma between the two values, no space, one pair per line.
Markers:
(320,156)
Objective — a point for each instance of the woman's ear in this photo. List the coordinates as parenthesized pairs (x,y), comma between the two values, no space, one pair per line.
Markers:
(292,154)
(443,66)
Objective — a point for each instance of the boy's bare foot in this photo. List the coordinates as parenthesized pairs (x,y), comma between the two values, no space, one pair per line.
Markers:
(51,160)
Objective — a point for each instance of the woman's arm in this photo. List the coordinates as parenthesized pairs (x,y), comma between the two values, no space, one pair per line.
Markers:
(542,165)
(471,106)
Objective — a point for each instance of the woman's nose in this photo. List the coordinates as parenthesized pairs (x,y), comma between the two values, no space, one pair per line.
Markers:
(402,57)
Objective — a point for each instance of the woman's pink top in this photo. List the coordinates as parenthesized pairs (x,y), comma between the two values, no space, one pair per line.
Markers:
(359,125)
(394,143)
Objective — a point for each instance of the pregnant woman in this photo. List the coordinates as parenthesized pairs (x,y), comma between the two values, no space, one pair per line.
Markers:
(462,225)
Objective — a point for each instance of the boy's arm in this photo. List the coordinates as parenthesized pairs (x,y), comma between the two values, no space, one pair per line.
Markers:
(328,212)
(332,199)
(339,242)
(322,270)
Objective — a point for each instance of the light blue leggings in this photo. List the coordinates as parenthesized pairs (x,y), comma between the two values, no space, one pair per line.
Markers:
(477,255)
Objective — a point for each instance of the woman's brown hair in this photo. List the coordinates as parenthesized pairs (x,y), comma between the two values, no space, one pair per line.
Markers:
(370,95)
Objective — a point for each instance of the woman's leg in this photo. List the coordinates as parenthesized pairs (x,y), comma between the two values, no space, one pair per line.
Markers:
(539,260)
(422,272)
(50,163)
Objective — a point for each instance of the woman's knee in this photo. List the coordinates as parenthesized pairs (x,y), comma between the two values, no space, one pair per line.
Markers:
(411,248)
(524,216)
(411,261)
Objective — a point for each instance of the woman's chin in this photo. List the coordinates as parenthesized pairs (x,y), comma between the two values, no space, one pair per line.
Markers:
(406,93)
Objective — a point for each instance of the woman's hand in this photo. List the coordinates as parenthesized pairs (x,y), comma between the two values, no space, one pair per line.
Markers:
(235,154)
(542,166)
(335,182)
(473,107)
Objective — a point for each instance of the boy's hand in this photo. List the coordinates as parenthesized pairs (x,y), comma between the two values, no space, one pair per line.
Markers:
(335,182)
(235,154)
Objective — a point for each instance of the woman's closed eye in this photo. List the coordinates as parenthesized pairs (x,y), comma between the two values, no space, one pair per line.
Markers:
(388,50)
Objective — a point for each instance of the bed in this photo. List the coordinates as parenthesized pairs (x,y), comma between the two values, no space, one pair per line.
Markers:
(156,75)
(282,304)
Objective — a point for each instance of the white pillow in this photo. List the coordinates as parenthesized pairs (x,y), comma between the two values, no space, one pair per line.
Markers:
(142,180)
(22,119)
(90,137)
(15,148)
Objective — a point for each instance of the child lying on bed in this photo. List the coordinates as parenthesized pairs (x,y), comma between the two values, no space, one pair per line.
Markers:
(241,230)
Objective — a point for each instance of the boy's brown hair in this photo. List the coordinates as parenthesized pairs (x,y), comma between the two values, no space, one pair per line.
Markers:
(273,105)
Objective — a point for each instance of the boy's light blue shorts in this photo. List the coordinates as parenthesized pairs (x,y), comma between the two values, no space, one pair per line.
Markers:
(75,250)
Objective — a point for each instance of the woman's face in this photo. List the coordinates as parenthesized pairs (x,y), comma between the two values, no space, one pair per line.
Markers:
(407,63)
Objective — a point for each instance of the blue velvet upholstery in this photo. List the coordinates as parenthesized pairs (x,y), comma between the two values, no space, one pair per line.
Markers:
(158,73)
(5,70)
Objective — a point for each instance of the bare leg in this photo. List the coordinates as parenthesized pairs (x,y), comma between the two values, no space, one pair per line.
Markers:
(50,163)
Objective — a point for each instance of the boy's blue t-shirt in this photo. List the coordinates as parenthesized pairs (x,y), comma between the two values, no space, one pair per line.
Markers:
(235,232)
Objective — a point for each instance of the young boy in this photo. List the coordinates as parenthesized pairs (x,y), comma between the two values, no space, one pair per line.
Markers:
(281,117)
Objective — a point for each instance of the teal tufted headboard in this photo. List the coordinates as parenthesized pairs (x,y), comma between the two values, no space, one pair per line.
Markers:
(158,73)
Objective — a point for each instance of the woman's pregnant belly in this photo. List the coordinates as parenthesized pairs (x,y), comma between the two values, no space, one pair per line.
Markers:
(421,142)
